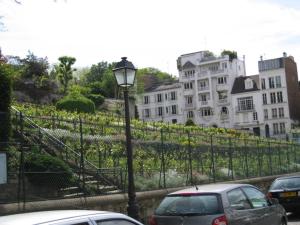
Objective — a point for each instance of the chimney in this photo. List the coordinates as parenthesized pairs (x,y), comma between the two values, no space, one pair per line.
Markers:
(284,54)
(261,58)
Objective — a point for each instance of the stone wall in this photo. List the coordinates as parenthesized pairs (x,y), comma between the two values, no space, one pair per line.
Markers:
(147,201)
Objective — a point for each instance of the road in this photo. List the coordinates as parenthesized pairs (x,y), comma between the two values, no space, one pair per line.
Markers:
(293,219)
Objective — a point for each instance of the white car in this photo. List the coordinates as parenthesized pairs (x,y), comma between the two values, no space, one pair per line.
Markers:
(68,217)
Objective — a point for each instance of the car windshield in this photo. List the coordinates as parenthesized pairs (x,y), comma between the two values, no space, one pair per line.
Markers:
(287,183)
(189,205)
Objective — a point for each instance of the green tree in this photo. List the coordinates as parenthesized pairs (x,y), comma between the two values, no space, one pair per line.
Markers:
(97,72)
(65,71)
(34,67)
(232,54)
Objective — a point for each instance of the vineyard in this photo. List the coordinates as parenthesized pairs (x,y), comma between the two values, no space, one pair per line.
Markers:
(165,155)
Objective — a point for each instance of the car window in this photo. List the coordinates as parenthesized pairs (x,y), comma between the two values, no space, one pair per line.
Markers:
(256,197)
(187,204)
(238,200)
(79,223)
(289,183)
(115,222)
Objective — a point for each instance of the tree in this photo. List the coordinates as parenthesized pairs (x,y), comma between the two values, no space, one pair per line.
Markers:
(97,72)
(34,67)
(232,54)
(65,70)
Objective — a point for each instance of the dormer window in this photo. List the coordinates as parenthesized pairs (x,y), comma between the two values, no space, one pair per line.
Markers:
(248,84)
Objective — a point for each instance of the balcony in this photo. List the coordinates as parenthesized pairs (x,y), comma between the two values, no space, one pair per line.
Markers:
(189,105)
(207,103)
(224,116)
(223,101)
(206,88)
(242,109)
(222,87)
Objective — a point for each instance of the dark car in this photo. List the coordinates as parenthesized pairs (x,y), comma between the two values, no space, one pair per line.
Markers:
(219,204)
(287,191)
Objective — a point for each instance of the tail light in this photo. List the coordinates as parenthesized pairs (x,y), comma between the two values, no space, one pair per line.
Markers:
(152,220)
(220,221)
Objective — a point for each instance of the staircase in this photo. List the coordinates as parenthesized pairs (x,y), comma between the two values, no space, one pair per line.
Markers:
(91,179)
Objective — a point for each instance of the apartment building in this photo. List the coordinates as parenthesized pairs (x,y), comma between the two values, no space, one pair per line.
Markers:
(215,91)
(280,95)
(162,103)
(207,82)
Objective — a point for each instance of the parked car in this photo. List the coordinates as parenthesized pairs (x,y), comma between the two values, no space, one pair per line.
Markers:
(68,217)
(287,191)
(219,204)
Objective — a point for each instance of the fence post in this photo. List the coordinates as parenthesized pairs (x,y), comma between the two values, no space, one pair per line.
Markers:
(163,157)
(230,159)
(212,158)
(81,155)
(259,158)
(190,158)
(246,158)
(270,158)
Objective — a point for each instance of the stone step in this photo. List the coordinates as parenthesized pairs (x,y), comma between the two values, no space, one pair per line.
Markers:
(78,194)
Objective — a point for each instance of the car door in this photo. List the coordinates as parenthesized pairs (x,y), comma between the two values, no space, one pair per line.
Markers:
(239,211)
(260,207)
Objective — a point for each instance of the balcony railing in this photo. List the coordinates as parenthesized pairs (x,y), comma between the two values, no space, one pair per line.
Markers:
(203,88)
(249,108)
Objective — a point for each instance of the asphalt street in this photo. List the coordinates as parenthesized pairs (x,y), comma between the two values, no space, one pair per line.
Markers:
(293,219)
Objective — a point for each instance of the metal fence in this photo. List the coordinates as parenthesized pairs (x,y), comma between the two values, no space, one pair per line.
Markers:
(163,157)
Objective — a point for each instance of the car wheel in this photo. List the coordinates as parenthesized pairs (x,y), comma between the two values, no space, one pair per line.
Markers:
(283,222)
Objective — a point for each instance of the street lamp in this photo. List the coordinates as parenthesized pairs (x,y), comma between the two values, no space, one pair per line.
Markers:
(124,72)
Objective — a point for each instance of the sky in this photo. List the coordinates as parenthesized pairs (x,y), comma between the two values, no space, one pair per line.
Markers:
(151,33)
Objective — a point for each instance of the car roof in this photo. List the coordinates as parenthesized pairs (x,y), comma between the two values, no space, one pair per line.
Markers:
(51,216)
(287,177)
(210,188)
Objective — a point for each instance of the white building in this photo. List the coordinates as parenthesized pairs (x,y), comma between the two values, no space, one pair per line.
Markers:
(207,83)
(162,103)
(215,91)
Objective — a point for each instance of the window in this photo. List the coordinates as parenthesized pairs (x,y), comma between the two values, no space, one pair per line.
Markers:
(266,116)
(159,98)
(189,100)
(222,80)
(271,82)
(255,116)
(281,112)
(264,99)
(206,112)
(278,81)
(275,128)
(224,65)
(173,95)
(224,111)
(147,113)
(248,84)
(190,114)
(279,97)
(174,109)
(166,96)
(160,111)
(115,222)
(146,100)
(274,113)
(273,97)
(202,98)
(214,67)
(167,110)
(282,128)
(188,85)
(263,83)
(257,198)
(245,103)
(202,84)
(189,73)
(238,200)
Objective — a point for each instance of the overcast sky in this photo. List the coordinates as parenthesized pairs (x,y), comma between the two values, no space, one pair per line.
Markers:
(151,33)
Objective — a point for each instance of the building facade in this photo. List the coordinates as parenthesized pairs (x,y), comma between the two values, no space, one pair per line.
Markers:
(215,91)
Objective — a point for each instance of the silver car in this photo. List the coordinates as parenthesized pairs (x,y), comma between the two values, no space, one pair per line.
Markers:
(219,204)
(68,217)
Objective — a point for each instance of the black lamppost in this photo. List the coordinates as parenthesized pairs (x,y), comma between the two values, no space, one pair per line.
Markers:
(125,75)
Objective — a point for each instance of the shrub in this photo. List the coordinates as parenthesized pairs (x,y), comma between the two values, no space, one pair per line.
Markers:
(75,102)
(189,122)
(46,170)
(96,98)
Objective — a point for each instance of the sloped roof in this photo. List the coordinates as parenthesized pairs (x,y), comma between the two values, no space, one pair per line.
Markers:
(164,87)
(188,65)
(239,84)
